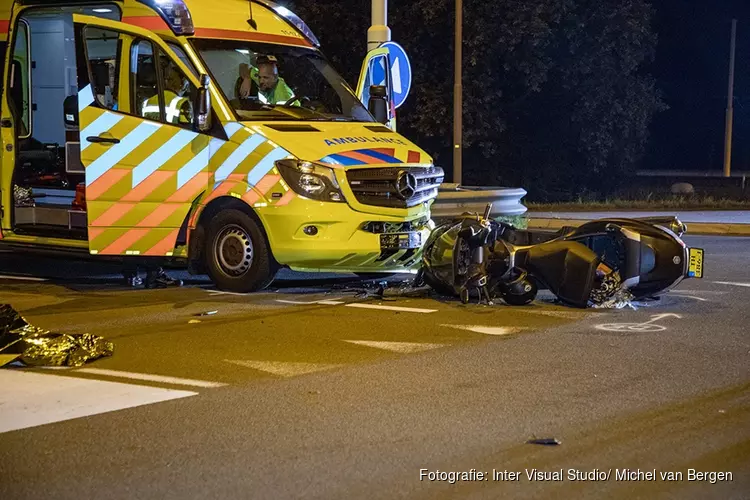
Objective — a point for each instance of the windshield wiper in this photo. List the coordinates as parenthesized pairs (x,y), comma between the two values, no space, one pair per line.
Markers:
(321,116)
(333,119)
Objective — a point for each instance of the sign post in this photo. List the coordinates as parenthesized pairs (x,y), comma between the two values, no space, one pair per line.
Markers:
(458,96)
(379,32)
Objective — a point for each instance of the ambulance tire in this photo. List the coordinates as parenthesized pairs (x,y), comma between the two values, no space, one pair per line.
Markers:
(238,257)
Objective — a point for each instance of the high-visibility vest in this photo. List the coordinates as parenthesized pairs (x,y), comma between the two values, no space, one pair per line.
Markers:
(172,113)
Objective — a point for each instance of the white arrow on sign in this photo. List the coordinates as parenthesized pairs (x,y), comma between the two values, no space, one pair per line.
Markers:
(396,75)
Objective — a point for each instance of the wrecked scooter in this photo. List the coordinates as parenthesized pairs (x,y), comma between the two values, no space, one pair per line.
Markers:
(584,266)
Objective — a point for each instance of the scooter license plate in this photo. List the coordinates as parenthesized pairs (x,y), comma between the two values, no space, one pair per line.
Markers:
(400,241)
(695,266)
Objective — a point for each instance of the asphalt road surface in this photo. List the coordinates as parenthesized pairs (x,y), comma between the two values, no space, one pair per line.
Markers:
(314,389)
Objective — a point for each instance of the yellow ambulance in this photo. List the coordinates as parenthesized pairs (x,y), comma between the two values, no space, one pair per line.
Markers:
(209,132)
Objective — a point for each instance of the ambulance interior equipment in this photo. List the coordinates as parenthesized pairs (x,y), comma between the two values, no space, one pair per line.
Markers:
(43,94)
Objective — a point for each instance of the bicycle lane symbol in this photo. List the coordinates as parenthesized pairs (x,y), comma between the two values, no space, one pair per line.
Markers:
(648,326)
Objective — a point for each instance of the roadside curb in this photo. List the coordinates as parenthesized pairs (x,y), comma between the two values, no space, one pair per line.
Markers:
(702,228)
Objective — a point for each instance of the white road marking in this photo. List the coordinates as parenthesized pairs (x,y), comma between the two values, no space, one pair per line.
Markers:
(150,378)
(692,297)
(648,326)
(219,292)
(392,308)
(283,369)
(554,314)
(699,292)
(403,347)
(311,302)
(31,399)
(488,330)
(747,285)
(21,278)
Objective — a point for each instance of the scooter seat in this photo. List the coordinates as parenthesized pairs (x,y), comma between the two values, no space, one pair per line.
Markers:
(567,268)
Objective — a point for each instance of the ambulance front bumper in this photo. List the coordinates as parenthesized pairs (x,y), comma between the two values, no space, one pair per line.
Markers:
(332,237)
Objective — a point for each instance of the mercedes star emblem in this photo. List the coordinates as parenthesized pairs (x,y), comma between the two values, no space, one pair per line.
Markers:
(406,185)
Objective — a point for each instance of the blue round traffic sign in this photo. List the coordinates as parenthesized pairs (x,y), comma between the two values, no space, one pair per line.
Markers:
(400,72)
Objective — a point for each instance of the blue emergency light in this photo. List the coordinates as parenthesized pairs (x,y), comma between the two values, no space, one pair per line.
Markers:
(175,13)
(293,19)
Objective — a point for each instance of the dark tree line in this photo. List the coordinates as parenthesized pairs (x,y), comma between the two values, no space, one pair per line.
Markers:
(556,98)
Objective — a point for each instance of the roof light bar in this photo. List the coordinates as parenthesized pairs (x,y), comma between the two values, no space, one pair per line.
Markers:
(292,18)
(175,13)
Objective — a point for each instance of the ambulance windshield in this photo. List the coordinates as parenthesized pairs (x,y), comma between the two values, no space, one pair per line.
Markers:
(279,82)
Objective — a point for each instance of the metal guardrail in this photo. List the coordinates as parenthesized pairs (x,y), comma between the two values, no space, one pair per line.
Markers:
(453,200)
(689,173)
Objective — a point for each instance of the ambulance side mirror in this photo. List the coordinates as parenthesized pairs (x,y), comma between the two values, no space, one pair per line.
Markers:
(378,104)
(203,105)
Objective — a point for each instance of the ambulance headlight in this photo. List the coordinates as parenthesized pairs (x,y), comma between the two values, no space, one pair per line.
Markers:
(311,180)
(175,13)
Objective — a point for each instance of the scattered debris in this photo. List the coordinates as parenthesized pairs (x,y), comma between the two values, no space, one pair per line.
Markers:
(193,321)
(384,290)
(206,313)
(544,441)
(23,197)
(611,293)
(35,346)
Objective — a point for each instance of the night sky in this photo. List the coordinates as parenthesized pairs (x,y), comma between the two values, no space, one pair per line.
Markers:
(692,69)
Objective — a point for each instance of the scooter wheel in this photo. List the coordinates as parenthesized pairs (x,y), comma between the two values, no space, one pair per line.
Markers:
(465,296)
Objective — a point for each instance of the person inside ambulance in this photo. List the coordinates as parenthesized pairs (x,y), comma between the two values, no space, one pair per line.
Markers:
(105,83)
(178,107)
(272,89)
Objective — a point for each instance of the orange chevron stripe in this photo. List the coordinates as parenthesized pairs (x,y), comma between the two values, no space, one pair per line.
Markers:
(193,222)
(124,242)
(284,200)
(221,190)
(148,185)
(94,232)
(113,214)
(267,182)
(414,157)
(159,215)
(251,197)
(361,157)
(164,245)
(386,151)
(189,191)
(103,183)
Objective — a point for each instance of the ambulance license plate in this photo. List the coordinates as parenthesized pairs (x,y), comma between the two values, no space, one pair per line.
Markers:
(400,241)
(695,266)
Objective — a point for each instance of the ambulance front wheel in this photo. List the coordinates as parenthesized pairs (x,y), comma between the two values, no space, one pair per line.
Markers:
(238,256)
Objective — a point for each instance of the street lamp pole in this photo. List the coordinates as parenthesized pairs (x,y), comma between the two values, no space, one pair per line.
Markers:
(730,105)
(458,96)
(379,32)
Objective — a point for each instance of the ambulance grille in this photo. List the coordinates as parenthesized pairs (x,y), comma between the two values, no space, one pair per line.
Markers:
(395,187)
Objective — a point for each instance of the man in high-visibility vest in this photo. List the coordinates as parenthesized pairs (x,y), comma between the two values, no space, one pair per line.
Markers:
(272,89)
(177,109)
